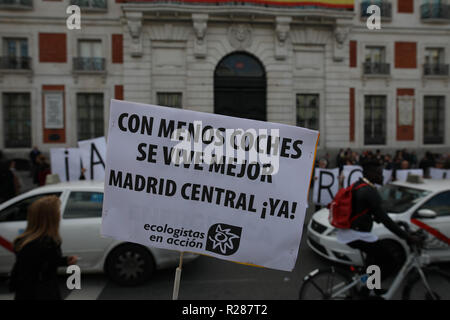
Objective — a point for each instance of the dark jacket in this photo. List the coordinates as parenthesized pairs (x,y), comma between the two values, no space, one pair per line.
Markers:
(7,189)
(34,275)
(368,197)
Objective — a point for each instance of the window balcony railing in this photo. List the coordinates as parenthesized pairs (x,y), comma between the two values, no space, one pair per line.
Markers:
(94,5)
(89,65)
(435,11)
(435,69)
(376,68)
(16,4)
(15,63)
(385,8)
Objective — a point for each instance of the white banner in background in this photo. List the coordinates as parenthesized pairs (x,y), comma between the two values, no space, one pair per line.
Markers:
(402,175)
(439,173)
(387,176)
(66,163)
(229,210)
(351,174)
(93,153)
(326,185)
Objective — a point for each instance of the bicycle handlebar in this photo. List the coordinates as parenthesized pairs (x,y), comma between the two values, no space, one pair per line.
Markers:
(419,234)
(404,225)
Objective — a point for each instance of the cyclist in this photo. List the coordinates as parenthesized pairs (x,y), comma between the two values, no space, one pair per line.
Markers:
(359,236)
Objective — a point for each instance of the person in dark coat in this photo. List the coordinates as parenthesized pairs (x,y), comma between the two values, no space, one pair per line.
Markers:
(34,153)
(43,169)
(38,253)
(7,182)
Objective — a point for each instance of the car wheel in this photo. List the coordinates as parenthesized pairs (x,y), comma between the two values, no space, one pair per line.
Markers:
(395,256)
(130,264)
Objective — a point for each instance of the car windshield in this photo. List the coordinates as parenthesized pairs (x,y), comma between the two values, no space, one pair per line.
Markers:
(398,199)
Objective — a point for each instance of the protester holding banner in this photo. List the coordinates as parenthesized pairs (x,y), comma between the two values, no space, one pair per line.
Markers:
(38,253)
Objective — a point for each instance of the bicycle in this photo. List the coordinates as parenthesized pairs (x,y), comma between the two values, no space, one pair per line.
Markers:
(336,284)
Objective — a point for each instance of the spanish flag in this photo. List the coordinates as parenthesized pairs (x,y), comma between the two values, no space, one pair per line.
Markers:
(331,4)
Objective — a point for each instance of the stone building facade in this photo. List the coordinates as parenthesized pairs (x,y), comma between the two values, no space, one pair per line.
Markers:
(313,64)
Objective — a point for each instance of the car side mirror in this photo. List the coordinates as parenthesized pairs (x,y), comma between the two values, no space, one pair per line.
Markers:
(426,213)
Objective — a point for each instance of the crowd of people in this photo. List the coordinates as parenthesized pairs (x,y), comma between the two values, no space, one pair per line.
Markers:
(11,185)
(402,159)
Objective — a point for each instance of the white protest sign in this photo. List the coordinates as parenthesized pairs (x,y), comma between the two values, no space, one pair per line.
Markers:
(231,210)
(387,176)
(402,175)
(66,163)
(93,153)
(326,185)
(351,174)
(439,173)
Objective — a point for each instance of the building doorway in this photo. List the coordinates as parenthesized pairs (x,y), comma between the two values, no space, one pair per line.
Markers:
(240,87)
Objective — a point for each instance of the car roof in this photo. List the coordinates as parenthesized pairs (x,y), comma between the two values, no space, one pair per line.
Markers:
(432,185)
(72,185)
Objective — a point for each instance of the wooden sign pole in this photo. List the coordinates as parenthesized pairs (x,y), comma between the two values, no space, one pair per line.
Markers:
(176,285)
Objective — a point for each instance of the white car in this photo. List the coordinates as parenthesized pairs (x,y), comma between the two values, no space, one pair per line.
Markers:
(428,202)
(81,207)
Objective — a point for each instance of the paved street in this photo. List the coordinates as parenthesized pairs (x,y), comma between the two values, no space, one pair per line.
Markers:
(204,279)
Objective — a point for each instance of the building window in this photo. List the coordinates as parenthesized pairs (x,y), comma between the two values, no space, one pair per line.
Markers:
(15,54)
(170,99)
(435,62)
(384,5)
(435,10)
(375,61)
(308,111)
(16,4)
(90,115)
(90,56)
(375,120)
(17,120)
(433,119)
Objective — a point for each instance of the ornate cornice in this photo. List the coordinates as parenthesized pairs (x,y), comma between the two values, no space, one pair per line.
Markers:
(237,10)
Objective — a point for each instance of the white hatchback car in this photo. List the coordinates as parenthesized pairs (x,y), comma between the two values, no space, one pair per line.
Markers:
(81,207)
(428,202)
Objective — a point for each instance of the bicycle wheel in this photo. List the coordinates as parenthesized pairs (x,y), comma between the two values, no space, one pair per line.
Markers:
(438,281)
(322,284)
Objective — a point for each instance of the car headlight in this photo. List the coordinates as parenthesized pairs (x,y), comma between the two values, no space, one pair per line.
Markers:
(332,233)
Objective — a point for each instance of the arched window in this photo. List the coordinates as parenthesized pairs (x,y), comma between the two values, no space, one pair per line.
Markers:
(240,87)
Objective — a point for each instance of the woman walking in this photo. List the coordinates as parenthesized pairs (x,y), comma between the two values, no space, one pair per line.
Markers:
(38,253)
